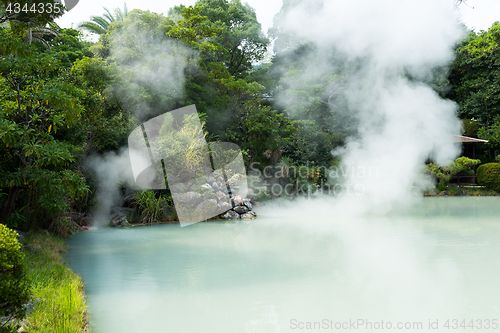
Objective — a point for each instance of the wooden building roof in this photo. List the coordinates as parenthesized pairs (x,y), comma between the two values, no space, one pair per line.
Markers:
(466,139)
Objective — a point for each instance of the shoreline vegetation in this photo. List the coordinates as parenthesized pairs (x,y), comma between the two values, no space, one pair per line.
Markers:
(463,190)
(58,302)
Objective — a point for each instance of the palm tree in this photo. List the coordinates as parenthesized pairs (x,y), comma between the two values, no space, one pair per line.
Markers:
(99,24)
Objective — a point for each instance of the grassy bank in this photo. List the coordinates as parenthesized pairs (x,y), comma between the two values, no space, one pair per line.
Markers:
(60,305)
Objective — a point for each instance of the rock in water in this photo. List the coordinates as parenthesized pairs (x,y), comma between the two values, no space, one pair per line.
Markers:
(240,209)
(231,215)
(119,220)
(247,204)
(238,201)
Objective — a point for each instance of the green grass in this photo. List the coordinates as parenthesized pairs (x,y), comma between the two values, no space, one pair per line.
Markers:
(150,206)
(62,306)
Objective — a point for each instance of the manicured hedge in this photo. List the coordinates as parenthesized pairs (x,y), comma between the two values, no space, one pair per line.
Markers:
(489,175)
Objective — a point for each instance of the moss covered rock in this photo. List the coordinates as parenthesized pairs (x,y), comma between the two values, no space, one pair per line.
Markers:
(489,175)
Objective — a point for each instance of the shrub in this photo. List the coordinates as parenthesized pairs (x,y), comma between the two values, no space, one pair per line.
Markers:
(152,208)
(444,174)
(14,287)
(489,175)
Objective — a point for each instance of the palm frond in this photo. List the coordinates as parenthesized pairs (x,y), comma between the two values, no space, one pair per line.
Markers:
(100,21)
(41,40)
(108,15)
(99,24)
(120,15)
(92,27)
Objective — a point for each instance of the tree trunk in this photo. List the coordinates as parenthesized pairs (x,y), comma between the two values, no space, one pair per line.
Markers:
(9,205)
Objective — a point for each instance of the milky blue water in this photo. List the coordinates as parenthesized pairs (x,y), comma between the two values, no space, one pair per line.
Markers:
(417,269)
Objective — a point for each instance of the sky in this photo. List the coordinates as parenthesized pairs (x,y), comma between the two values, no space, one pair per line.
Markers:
(476,14)
(265,9)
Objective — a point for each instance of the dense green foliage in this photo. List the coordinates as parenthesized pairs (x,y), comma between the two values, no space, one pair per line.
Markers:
(475,85)
(14,286)
(444,174)
(475,76)
(489,175)
(63,99)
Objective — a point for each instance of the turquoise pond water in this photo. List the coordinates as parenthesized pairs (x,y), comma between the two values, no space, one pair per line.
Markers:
(438,261)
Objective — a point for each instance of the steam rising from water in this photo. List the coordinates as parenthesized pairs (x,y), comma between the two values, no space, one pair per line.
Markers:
(110,170)
(402,121)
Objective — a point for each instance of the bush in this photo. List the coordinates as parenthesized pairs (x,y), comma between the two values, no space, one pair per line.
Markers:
(14,287)
(151,206)
(444,174)
(489,175)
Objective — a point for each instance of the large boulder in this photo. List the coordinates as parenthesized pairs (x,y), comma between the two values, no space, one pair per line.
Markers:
(121,210)
(225,206)
(220,196)
(118,216)
(210,195)
(119,220)
(189,198)
(129,198)
(208,208)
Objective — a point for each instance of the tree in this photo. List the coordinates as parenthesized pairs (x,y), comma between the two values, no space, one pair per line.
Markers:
(31,13)
(263,133)
(184,46)
(492,134)
(100,24)
(444,174)
(240,35)
(475,76)
(36,102)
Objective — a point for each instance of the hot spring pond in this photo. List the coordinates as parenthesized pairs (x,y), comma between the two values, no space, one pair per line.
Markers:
(436,266)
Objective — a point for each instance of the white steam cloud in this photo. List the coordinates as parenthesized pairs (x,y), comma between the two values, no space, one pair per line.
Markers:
(111,170)
(401,121)
(151,69)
